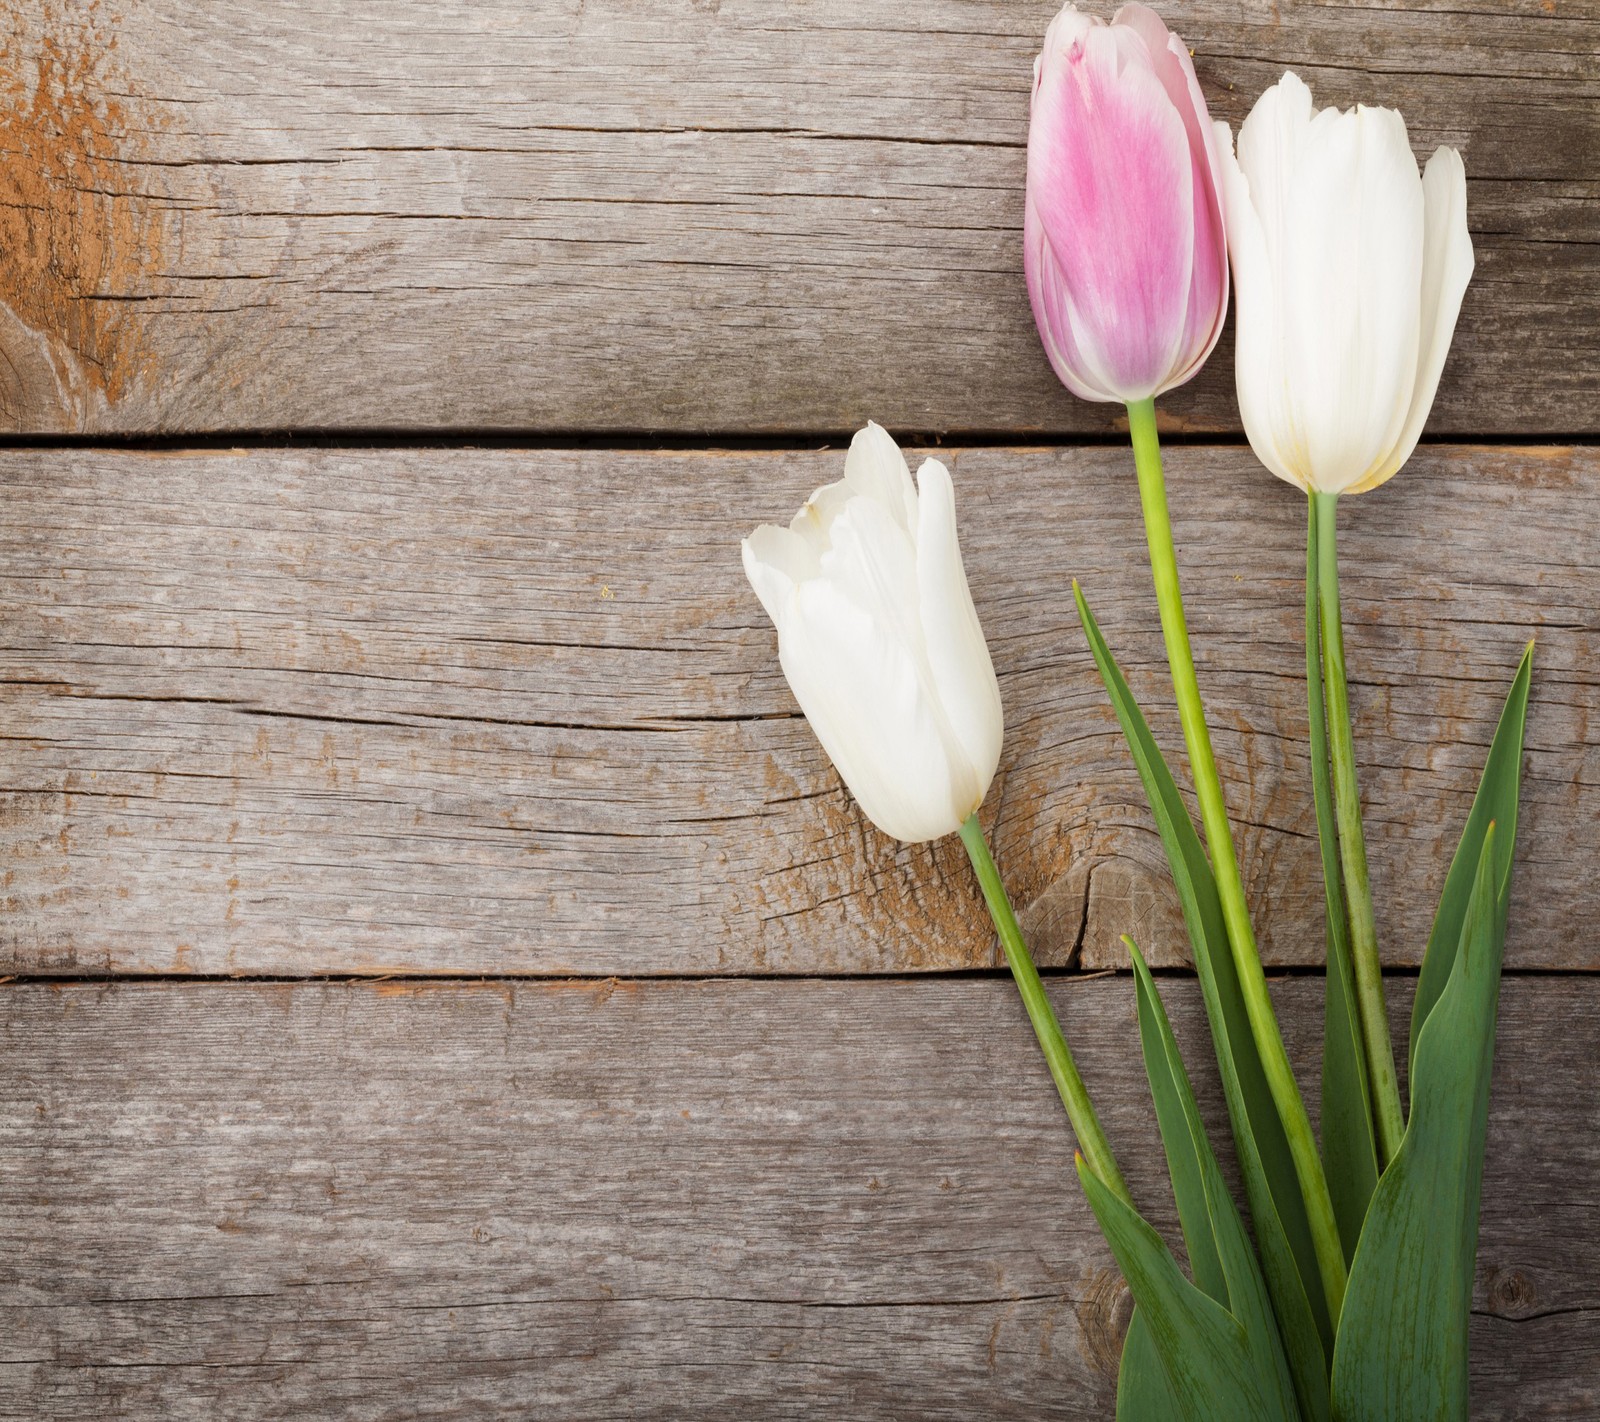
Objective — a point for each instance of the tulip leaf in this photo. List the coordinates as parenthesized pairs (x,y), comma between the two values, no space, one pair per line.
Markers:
(1271,1185)
(1402,1345)
(1495,802)
(1349,1140)
(1215,1339)
(1179,1122)
(1143,1392)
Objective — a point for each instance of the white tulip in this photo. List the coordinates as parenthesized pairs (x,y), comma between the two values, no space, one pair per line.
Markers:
(880,642)
(1348,272)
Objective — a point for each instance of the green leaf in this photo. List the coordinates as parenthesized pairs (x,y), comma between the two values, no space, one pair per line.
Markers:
(1193,1335)
(1271,1186)
(1402,1344)
(1495,802)
(1217,1343)
(1143,1392)
(1349,1141)
(1179,1123)
(1349,1144)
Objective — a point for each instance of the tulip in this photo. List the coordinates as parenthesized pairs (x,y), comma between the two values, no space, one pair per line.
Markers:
(882,648)
(1125,254)
(1350,269)
(880,642)
(1123,244)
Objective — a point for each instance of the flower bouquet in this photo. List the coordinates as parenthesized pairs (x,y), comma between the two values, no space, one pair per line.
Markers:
(1351,1299)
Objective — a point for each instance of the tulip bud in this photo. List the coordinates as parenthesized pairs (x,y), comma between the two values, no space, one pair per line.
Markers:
(1123,239)
(1350,269)
(880,642)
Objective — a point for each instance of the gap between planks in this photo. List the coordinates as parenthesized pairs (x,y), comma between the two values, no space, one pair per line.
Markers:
(645,441)
(1403,974)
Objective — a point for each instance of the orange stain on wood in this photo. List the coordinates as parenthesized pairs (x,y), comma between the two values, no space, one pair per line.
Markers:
(74,233)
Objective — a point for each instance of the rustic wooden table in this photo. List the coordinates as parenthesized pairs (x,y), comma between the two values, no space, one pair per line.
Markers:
(447,980)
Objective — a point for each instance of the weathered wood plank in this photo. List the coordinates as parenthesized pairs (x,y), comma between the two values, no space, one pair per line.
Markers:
(416,711)
(720,1199)
(681,215)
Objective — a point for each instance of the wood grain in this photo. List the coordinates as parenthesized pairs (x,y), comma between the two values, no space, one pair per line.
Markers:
(514,713)
(710,1199)
(505,712)
(680,215)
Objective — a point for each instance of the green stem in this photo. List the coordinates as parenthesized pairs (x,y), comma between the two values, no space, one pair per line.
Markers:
(1092,1140)
(1352,843)
(1317,722)
(1225,864)
(1349,1129)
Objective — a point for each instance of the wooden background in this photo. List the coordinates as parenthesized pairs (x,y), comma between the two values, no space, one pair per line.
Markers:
(445,979)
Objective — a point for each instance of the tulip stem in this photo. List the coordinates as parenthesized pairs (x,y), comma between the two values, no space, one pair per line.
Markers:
(1225,864)
(1370,1005)
(1092,1142)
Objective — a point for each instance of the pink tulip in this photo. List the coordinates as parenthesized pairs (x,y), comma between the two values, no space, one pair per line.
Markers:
(1123,240)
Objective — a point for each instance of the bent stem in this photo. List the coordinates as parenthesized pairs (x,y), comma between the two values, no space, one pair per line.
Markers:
(1092,1142)
(1370,1006)
(1224,862)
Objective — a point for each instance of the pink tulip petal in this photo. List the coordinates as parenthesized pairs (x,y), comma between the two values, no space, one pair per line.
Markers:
(1067,29)
(1208,289)
(1052,314)
(1112,180)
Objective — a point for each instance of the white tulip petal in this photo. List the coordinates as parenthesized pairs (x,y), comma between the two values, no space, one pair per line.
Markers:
(1271,140)
(816,515)
(1257,373)
(1349,278)
(784,550)
(880,642)
(775,560)
(873,562)
(1447,263)
(876,469)
(861,691)
(1349,281)
(963,673)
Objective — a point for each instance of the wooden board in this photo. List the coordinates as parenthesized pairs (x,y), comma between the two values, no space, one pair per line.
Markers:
(517,712)
(712,1199)
(659,1138)
(685,215)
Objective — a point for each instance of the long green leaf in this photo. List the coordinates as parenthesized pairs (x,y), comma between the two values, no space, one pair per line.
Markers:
(1226,1268)
(1179,1122)
(1349,1142)
(1349,1145)
(1202,1347)
(1402,1345)
(1143,1392)
(1271,1186)
(1495,803)
(1217,1343)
